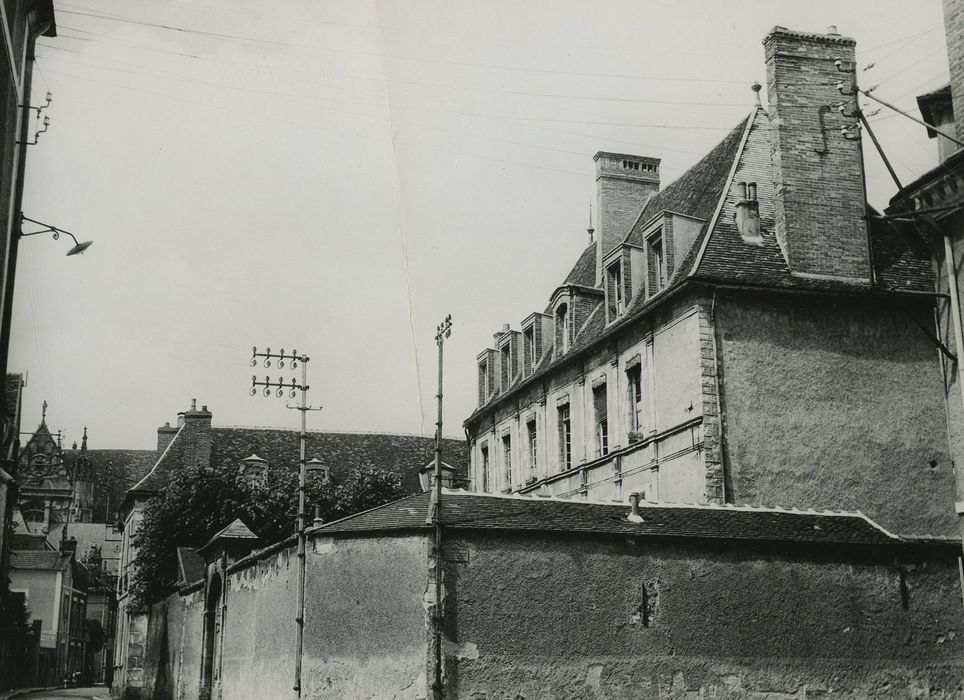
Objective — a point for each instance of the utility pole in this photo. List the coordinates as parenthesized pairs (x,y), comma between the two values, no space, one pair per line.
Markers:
(443,331)
(279,388)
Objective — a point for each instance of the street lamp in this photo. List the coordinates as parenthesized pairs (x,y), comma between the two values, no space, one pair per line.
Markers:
(79,247)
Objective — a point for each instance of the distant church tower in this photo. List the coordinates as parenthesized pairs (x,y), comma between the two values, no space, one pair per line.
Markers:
(53,491)
(81,474)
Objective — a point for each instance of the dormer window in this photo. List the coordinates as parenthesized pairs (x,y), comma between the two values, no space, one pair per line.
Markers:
(614,290)
(483,381)
(254,470)
(486,361)
(536,335)
(657,262)
(562,329)
(506,367)
(528,351)
(508,358)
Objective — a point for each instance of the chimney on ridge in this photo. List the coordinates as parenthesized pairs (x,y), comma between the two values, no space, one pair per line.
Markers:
(165,434)
(624,183)
(817,169)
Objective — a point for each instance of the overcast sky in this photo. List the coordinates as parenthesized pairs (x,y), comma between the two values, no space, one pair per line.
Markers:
(336,177)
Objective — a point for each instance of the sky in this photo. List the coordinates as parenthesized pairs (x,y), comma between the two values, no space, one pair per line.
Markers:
(335,177)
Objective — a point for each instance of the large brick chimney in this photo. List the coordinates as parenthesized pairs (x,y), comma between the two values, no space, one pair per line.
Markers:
(195,441)
(624,183)
(819,204)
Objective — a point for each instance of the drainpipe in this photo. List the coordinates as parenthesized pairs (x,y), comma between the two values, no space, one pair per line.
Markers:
(955,306)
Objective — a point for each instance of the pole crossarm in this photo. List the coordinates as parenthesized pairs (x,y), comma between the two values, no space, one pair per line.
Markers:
(279,387)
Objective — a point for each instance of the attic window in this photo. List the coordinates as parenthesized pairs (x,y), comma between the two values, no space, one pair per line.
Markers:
(614,290)
(483,381)
(506,366)
(254,470)
(562,329)
(657,262)
(528,351)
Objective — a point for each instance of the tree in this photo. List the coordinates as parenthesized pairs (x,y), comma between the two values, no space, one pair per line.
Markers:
(202,500)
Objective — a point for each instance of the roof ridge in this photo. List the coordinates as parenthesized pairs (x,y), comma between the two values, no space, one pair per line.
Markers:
(711,226)
(333,432)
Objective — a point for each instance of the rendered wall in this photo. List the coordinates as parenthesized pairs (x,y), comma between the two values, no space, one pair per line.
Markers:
(835,407)
(257,659)
(366,632)
(540,617)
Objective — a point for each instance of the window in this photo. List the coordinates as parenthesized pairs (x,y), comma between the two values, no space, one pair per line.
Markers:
(507,459)
(614,290)
(602,419)
(506,372)
(483,381)
(533,447)
(562,329)
(565,438)
(657,263)
(485,467)
(528,351)
(635,377)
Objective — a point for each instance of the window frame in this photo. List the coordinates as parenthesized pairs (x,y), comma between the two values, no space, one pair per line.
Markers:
(564,428)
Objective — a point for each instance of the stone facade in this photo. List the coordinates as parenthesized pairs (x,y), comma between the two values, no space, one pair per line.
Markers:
(756,357)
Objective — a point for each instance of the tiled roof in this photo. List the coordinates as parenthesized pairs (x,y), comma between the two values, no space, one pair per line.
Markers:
(697,192)
(341,452)
(38,560)
(584,271)
(190,565)
(719,254)
(475,511)
(237,530)
(727,258)
(114,471)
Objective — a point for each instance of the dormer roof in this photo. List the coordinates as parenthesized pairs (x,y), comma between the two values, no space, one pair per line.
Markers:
(709,192)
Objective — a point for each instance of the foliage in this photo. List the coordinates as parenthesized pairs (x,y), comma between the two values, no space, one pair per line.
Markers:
(203,500)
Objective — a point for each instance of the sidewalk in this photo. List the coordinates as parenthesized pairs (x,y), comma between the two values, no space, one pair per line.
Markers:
(7,694)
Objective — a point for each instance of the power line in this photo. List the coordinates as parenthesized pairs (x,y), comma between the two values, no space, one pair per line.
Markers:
(172,28)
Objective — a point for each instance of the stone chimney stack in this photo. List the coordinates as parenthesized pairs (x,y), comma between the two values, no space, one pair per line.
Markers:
(817,170)
(624,183)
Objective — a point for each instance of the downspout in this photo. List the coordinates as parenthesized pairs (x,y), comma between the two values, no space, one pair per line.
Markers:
(720,405)
(224,613)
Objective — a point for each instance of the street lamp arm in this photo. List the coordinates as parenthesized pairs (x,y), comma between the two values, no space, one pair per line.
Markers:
(47,228)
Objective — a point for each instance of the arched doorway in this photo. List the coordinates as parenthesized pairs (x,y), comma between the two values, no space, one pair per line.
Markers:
(212,637)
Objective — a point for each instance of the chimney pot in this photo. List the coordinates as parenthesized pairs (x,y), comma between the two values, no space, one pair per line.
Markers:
(832,30)
(193,404)
(742,187)
(204,408)
(505,327)
(751,191)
